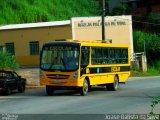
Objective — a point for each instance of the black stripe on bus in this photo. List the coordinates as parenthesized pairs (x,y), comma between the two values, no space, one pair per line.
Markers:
(109,69)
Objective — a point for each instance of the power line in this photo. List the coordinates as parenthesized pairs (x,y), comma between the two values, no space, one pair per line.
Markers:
(136,21)
(145,22)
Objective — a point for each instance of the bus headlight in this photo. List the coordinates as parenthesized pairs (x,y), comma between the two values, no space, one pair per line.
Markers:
(41,75)
(75,76)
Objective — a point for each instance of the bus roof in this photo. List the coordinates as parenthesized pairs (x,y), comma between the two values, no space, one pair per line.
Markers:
(86,43)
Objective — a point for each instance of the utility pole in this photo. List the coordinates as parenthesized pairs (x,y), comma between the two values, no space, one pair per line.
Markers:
(103,19)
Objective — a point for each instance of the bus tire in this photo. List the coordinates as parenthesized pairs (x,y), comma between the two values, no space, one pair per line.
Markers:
(49,90)
(113,86)
(84,88)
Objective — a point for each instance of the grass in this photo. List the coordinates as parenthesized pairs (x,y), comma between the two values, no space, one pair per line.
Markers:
(152,71)
(28,11)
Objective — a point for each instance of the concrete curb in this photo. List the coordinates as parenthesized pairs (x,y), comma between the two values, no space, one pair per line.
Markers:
(34,86)
(142,78)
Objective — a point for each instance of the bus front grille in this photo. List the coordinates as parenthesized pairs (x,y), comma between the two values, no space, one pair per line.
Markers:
(57,76)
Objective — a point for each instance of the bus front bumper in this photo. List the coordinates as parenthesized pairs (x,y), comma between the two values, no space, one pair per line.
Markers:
(60,83)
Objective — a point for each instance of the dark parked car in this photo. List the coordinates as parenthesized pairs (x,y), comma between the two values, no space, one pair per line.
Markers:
(10,80)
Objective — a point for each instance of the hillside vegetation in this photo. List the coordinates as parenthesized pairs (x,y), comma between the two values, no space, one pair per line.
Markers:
(28,11)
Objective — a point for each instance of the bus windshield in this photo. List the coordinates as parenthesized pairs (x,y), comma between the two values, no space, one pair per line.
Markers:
(60,58)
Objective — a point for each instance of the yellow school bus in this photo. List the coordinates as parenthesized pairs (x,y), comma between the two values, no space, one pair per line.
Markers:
(78,64)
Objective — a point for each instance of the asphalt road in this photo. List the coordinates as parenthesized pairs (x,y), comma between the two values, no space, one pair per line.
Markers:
(134,97)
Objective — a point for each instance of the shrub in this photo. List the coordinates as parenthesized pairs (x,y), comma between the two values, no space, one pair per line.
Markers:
(152,42)
(8,61)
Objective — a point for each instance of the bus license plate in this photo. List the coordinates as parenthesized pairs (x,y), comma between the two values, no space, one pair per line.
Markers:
(57,81)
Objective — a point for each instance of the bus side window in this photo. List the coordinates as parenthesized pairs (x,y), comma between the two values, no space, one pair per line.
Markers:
(111,55)
(105,55)
(99,56)
(85,56)
(125,56)
(118,56)
(93,56)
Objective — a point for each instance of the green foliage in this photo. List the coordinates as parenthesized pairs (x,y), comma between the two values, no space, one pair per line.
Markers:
(152,71)
(134,66)
(25,11)
(152,42)
(8,61)
(156,65)
(154,103)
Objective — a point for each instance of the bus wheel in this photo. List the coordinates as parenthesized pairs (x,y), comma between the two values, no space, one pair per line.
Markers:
(84,89)
(49,90)
(113,86)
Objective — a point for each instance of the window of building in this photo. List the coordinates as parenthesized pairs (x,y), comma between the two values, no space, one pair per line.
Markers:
(10,48)
(34,48)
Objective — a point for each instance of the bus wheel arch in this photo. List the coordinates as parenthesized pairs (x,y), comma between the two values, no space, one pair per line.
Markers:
(117,77)
(85,88)
(114,86)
